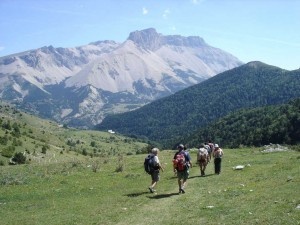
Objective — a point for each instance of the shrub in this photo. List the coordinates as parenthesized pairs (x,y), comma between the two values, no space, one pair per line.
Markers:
(96,166)
(120,167)
(8,151)
(84,152)
(19,158)
(44,149)
(93,144)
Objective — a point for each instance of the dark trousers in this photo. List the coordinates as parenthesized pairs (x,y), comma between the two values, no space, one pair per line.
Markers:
(217,162)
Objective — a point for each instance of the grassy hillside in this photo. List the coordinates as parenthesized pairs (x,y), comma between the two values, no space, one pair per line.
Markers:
(253,127)
(252,85)
(265,192)
(44,140)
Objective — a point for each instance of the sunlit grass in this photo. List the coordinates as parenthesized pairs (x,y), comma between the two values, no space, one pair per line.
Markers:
(264,192)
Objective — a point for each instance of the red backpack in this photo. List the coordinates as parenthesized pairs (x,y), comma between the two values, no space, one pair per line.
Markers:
(180,162)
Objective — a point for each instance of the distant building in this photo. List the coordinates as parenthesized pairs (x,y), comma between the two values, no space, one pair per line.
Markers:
(111,131)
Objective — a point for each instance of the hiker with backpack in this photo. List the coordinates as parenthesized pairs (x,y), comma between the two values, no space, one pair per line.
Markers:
(217,154)
(202,159)
(208,148)
(212,148)
(181,164)
(152,166)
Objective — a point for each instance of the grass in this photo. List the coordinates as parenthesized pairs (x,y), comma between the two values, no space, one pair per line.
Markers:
(60,143)
(69,192)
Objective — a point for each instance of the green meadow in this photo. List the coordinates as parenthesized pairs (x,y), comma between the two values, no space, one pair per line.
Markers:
(114,190)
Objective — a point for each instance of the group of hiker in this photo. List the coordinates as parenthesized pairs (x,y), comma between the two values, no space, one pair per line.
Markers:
(182,162)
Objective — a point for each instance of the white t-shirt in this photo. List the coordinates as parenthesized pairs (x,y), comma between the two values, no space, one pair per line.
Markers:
(155,159)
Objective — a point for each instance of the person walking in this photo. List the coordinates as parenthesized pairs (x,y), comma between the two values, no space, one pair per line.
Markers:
(217,154)
(181,164)
(155,168)
(202,159)
(212,148)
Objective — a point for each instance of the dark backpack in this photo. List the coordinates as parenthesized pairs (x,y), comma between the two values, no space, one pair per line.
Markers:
(149,164)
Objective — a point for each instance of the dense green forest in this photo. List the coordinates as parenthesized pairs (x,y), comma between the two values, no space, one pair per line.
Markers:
(253,127)
(252,85)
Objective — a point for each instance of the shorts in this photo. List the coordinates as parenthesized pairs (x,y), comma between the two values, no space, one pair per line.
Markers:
(184,175)
(155,175)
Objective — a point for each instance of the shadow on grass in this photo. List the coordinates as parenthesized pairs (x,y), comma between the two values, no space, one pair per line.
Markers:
(162,196)
(208,175)
(133,195)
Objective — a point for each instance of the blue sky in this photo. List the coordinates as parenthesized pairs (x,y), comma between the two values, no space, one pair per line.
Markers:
(263,30)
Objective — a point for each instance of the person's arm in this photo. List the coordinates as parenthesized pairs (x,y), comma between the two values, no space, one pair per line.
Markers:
(189,159)
(160,167)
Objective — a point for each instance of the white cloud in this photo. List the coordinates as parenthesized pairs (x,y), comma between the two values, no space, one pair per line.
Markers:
(145,11)
(166,13)
(2,48)
(196,2)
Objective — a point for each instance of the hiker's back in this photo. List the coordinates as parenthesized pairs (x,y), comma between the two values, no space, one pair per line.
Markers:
(202,154)
(218,153)
(180,161)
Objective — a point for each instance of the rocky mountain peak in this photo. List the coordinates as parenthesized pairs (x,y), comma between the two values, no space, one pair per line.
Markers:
(150,39)
(147,38)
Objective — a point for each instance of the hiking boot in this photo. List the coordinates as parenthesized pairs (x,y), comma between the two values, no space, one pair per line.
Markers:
(151,190)
(182,191)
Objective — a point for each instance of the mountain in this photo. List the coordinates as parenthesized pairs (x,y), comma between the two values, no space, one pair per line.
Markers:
(80,86)
(277,124)
(251,85)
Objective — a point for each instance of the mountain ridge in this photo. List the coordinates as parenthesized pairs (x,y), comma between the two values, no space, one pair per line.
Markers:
(145,67)
(248,86)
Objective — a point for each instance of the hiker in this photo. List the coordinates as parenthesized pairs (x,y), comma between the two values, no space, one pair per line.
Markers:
(181,164)
(217,154)
(202,159)
(208,148)
(155,167)
(212,148)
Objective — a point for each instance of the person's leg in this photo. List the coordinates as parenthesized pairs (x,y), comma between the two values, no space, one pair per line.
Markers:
(153,183)
(179,185)
(201,168)
(204,167)
(185,177)
(220,162)
(215,164)
(155,179)
(218,165)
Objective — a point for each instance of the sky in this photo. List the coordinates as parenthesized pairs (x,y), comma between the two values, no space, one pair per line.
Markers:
(251,30)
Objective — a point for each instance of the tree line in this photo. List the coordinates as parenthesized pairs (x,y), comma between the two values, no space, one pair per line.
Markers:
(278,124)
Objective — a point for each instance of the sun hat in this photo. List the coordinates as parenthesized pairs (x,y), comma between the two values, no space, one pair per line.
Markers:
(216,146)
(181,146)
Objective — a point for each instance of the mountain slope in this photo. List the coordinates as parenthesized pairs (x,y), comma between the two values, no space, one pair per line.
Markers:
(252,85)
(44,140)
(278,124)
(107,76)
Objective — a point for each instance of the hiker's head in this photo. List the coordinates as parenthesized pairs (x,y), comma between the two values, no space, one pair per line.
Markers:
(181,147)
(216,146)
(202,145)
(155,151)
